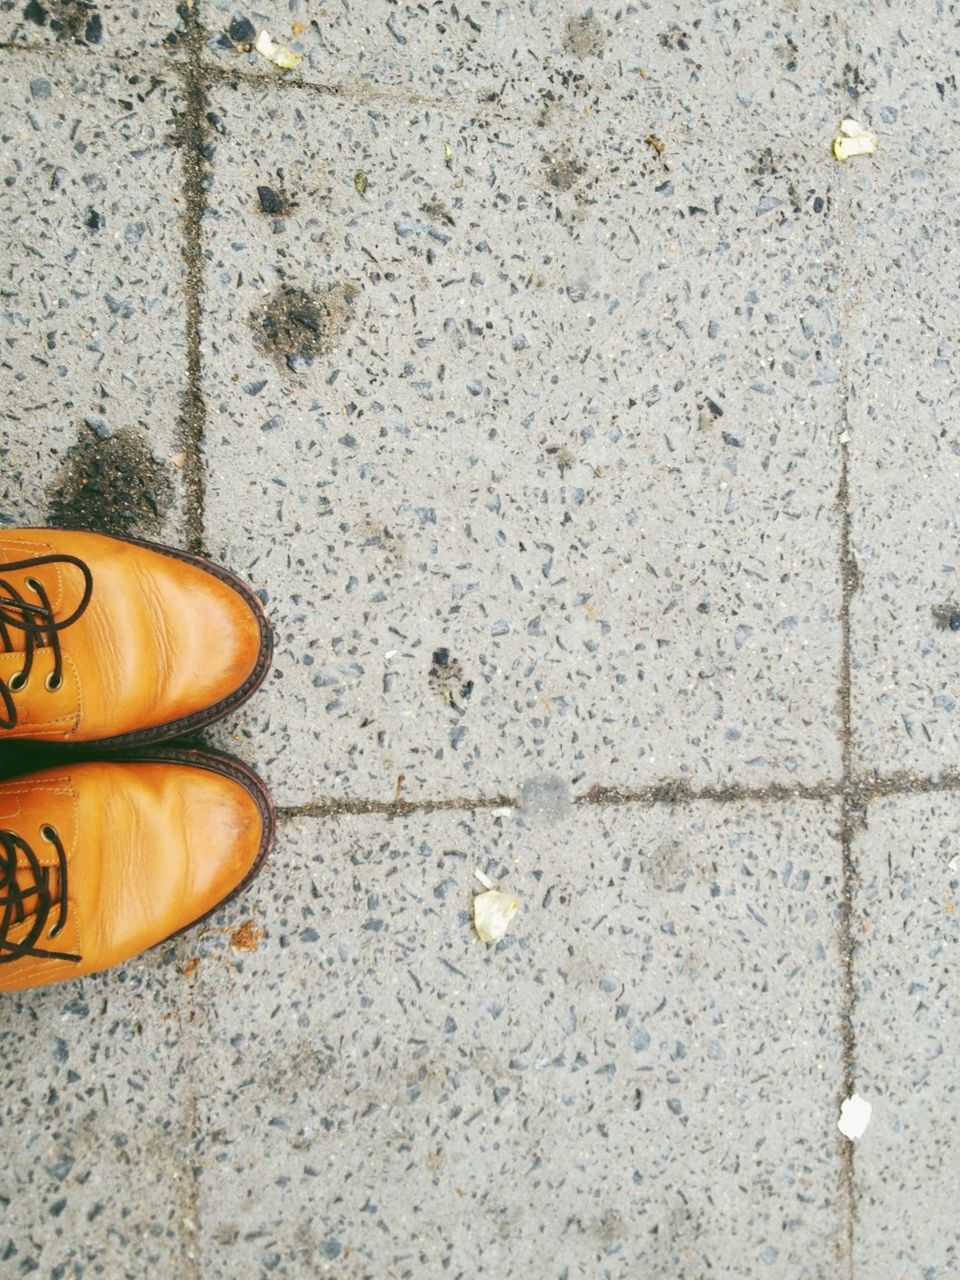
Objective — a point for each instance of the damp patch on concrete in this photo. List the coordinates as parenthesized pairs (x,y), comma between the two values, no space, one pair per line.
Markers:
(584,36)
(297,326)
(111,483)
(545,798)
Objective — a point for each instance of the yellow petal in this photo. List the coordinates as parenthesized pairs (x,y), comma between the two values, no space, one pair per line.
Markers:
(278,54)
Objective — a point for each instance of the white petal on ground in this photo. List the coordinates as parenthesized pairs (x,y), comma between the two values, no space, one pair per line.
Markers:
(492,913)
(855,1115)
(853,140)
(278,54)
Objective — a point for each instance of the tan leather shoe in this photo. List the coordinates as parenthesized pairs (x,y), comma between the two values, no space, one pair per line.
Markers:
(99,861)
(119,641)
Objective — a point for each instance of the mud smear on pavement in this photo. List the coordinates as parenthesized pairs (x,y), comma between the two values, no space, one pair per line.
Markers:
(562,169)
(584,37)
(447,679)
(113,485)
(296,326)
(245,937)
(76,20)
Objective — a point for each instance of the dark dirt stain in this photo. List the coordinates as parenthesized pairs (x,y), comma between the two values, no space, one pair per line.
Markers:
(675,38)
(295,326)
(946,616)
(76,20)
(562,169)
(447,679)
(584,37)
(437,211)
(112,485)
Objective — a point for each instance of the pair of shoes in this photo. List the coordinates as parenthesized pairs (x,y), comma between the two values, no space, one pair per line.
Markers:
(121,644)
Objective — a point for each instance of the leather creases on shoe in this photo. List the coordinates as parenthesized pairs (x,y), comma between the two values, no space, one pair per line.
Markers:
(26,894)
(35,619)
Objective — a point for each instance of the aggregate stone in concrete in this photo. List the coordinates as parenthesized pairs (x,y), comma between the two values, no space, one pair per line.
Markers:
(903,298)
(638,1080)
(95,1125)
(908,1020)
(529,433)
(105,27)
(93,313)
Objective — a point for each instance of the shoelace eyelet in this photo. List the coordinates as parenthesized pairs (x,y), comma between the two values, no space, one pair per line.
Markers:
(53,683)
(17,682)
(33,584)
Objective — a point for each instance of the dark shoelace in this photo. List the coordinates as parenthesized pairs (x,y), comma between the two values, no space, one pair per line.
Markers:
(41,630)
(25,888)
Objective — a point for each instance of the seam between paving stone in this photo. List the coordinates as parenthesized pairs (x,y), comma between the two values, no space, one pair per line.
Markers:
(853,799)
(854,794)
(194,144)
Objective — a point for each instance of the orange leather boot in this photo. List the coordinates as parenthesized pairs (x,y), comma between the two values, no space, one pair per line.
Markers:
(119,641)
(99,861)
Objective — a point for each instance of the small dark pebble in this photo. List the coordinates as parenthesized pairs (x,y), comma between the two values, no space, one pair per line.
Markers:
(98,427)
(299,361)
(270,202)
(215,122)
(441,657)
(93,220)
(713,407)
(39,89)
(953,622)
(94,31)
(242,31)
(307,319)
(61,1168)
(35,12)
(732,440)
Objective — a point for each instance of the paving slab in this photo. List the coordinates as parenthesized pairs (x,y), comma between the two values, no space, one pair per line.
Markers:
(908,1018)
(902,299)
(531,441)
(93,311)
(639,1079)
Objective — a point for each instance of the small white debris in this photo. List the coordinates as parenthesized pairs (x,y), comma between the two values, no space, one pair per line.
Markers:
(855,1115)
(278,54)
(484,879)
(853,140)
(492,913)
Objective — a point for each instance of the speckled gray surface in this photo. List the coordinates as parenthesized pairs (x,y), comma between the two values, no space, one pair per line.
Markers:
(908,1024)
(511,458)
(423,1104)
(588,432)
(92,288)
